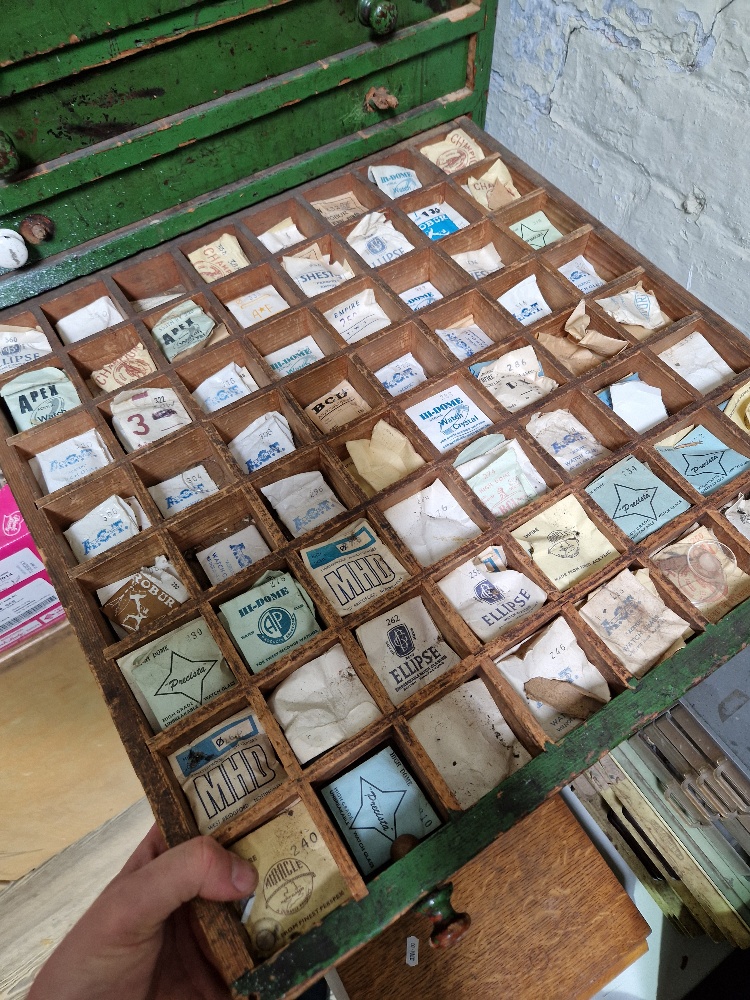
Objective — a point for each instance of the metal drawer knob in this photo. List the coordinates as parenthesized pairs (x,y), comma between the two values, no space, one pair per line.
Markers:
(380,15)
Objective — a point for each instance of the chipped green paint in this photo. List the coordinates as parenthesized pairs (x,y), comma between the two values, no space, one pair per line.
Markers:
(436,859)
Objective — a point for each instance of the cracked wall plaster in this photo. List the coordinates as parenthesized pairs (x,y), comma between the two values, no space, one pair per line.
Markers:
(641,114)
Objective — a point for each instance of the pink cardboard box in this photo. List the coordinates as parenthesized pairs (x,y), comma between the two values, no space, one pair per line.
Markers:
(28,601)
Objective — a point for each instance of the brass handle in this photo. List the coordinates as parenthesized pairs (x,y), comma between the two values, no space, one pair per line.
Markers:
(380,15)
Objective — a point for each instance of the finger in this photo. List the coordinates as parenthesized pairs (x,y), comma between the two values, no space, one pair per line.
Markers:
(149,848)
(143,899)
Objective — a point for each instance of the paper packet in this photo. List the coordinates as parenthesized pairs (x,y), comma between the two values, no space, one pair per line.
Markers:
(500,473)
(337,407)
(377,241)
(303,502)
(490,597)
(254,307)
(582,273)
(133,364)
(98,315)
(70,460)
(698,362)
(494,189)
(226,770)
(142,416)
(144,596)
(401,375)
(515,379)
(405,648)
(357,317)
(314,275)
(702,458)
(110,523)
(536,230)
(525,302)
(638,502)
(565,438)
(431,523)
(737,407)
(182,491)
(421,295)
(637,310)
(465,339)
(294,357)
(395,180)
(219,258)
(479,263)
(264,440)
(454,152)
(438,220)
(184,328)
(175,674)
(582,348)
(339,209)
(230,383)
(448,418)
(469,742)
(284,234)
(321,704)
(387,457)
(38,396)
(229,555)
(353,567)
(20,345)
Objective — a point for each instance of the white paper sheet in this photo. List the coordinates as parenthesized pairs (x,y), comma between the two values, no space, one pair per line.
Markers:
(525,301)
(516,379)
(108,524)
(98,315)
(421,295)
(639,404)
(431,524)
(448,417)
(465,340)
(223,387)
(254,307)
(228,556)
(582,273)
(302,502)
(503,478)
(695,360)
(394,180)
(177,493)
(565,438)
(70,460)
(358,317)
(142,416)
(294,357)
(401,375)
(316,276)
(377,241)
(284,234)
(479,263)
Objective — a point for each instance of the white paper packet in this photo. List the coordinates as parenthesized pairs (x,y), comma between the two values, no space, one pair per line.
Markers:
(516,379)
(554,654)
(525,302)
(154,301)
(438,220)
(405,649)
(264,440)
(294,357)
(228,556)
(469,741)
(284,234)
(738,514)
(180,492)
(377,241)
(448,417)
(302,502)
(638,310)
(582,273)
(490,597)
(637,403)
(316,276)
(394,180)
(465,339)
(337,407)
(502,476)
(221,257)
(431,524)
(479,263)
(358,317)
(98,315)
(321,704)
(141,416)
(454,152)
(223,387)
(109,523)
(21,345)
(401,375)
(256,306)
(421,295)
(565,438)
(70,460)
(695,360)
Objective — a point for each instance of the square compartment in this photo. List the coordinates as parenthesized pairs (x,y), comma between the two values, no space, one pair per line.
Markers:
(558,294)
(329,245)
(151,319)
(271,214)
(391,345)
(29,320)
(549,368)
(555,327)
(308,386)
(522,184)
(80,296)
(210,236)
(493,320)
(106,347)
(540,201)
(472,388)
(608,263)
(437,195)
(343,184)
(478,236)
(290,328)
(155,381)
(673,393)
(151,277)
(245,282)
(163,461)
(735,351)
(207,363)
(392,306)
(426,172)
(669,303)
(400,223)
(421,266)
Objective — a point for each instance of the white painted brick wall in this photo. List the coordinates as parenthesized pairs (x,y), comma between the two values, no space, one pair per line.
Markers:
(642,115)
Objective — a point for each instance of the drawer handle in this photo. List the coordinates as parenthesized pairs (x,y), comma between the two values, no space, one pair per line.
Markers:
(380,15)
(380,99)
(448,926)
(9,158)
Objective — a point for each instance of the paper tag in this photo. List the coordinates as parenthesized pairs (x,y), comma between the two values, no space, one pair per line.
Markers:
(479,263)
(96,316)
(141,416)
(377,241)
(465,341)
(412,951)
(537,231)
(173,675)
(256,306)
(315,276)
(525,302)
(107,525)
(70,461)
(394,180)
(294,357)
(20,345)
(134,364)
(405,649)
(215,260)
(448,417)
(227,557)
(223,387)
(339,209)
(637,501)
(375,803)
(431,523)
(438,220)
(337,407)
(263,441)
(353,567)
(176,494)
(581,273)
(565,438)
(358,317)
(421,295)
(182,328)
(275,616)
(302,502)
(226,770)
(38,396)
(401,375)
(322,703)
(455,152)
(284,234)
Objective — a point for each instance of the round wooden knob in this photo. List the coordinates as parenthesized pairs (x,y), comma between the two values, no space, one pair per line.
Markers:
(448,926)
(402,845)
(9,158)
(380,15)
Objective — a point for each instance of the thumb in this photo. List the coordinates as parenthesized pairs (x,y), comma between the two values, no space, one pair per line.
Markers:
(140,901)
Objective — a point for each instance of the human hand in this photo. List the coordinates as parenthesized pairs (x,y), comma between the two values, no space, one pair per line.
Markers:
(136,942)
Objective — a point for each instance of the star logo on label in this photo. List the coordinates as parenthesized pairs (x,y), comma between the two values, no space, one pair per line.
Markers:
(377,809)
(631,500)
(536,238)
(186,677)
(707,464)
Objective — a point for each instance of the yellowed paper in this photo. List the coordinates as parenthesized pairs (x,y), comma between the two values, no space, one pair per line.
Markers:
(215,260)
(582,349)
(340,209)
(637,310)
(737,407)
(455,152)
(387,457)
(495,186)
(335,408)
(134,364)
(564,543)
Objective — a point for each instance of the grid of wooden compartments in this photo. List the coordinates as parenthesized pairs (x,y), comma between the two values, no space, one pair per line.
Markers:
(239,501)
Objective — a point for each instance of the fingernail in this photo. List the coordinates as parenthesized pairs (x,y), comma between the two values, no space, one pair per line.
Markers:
(244,875)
